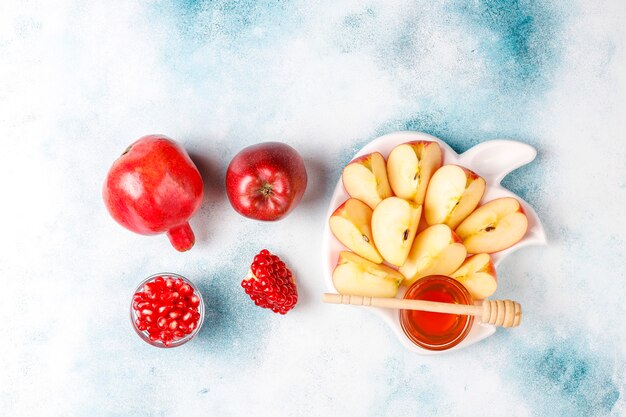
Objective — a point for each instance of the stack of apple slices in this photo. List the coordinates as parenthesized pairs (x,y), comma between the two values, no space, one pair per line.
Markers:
(411,216)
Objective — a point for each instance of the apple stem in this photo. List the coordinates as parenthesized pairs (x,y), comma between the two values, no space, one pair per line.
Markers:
(181,237)
(266,189)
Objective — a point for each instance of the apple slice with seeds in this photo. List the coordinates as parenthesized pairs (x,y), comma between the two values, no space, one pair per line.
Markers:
(494,226)
(394,225)
(351,225)
(410,167)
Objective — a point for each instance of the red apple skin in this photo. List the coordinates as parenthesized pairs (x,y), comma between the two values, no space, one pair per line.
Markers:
(363,158)
(266,181)
(154,187)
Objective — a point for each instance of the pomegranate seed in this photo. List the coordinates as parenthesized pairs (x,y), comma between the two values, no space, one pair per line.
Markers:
(166,309)
(165,296)
(194,301)
(162,322)
(185,289)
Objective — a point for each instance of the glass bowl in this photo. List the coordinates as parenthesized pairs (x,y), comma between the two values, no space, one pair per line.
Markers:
(176,342)
(436,331)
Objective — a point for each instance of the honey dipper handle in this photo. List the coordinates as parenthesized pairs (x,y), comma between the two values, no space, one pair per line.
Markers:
(402,304)
(501,313)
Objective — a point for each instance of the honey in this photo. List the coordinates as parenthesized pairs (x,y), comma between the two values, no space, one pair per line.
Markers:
(436,331)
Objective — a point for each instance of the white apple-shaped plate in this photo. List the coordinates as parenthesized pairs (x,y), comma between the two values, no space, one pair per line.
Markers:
(492,160)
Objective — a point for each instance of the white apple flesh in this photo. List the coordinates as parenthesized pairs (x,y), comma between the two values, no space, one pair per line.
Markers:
(351,225)
(436,251)
(365,179)
(394,225)
(355,275)
(494,226)
(478,276)
(410,167)
(452,194)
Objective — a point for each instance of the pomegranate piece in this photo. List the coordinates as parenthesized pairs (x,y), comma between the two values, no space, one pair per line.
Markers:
(166,309)
(270,284)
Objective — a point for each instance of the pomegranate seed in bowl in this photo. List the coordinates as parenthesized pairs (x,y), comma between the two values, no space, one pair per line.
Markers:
(167,310)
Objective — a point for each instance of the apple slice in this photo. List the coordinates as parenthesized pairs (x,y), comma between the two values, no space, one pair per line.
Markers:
(394,224)
(410,166)
(478,275)
(494,226)
(351,225)
(365,179)
(435,251)
(354,275)
(453,193)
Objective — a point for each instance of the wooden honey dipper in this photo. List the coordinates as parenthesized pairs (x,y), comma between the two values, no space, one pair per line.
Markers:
(501,313)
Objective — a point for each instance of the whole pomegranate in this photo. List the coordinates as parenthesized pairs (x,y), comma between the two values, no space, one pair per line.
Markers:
(154,187)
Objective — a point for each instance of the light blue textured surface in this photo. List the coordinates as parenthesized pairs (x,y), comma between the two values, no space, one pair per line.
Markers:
(79,81)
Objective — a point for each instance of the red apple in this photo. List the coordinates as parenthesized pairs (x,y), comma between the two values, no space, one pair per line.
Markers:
(153,188)
(266,181)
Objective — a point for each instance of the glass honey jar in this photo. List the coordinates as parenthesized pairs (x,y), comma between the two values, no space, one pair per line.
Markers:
(436,331)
